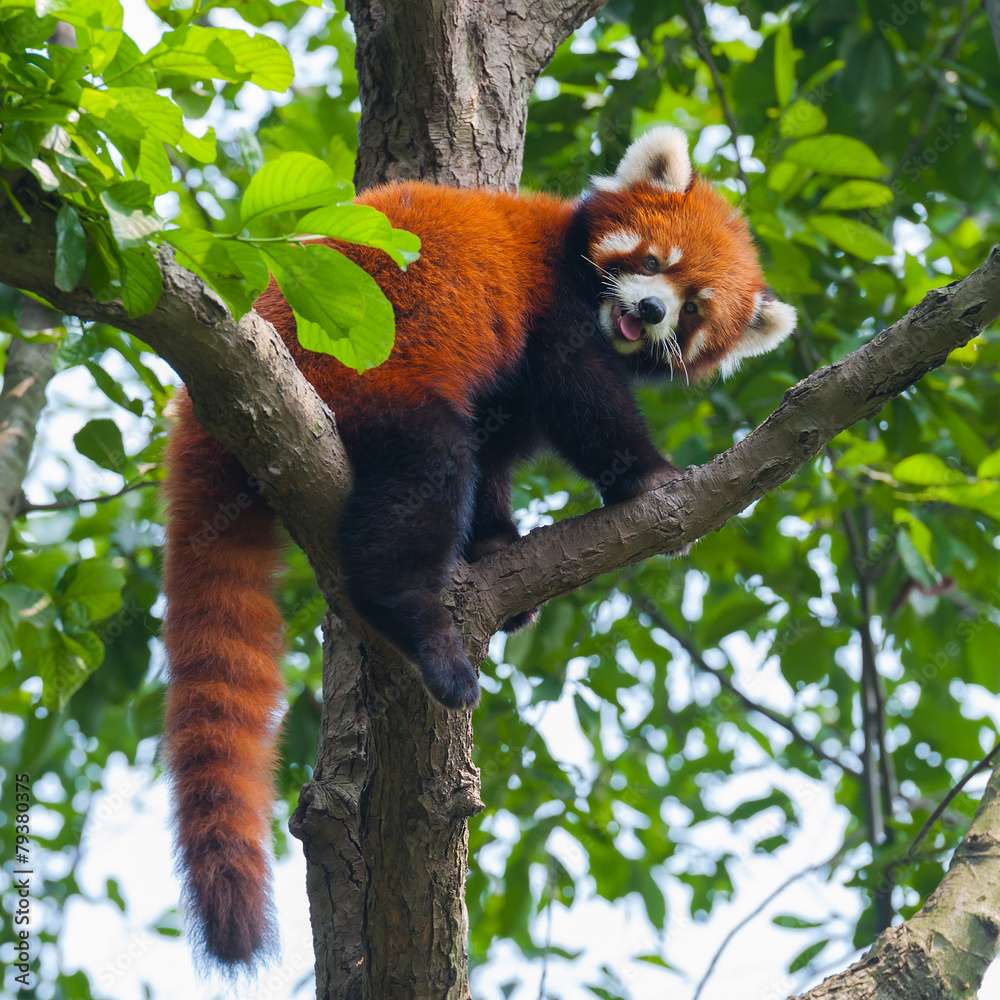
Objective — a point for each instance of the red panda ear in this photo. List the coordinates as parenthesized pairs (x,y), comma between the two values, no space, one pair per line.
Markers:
(772,322)
(658,157)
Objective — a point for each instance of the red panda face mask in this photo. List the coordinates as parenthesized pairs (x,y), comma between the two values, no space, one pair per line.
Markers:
(681,283)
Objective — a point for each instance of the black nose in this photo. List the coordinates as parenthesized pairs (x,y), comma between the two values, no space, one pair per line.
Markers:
(652,310)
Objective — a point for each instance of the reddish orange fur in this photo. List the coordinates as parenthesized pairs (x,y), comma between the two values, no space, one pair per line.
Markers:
(481,252)
(487,269)
(223,637)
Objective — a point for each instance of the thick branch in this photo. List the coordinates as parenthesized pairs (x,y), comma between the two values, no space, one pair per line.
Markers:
(246,388)
(946,948)
(556,559)
(26,374)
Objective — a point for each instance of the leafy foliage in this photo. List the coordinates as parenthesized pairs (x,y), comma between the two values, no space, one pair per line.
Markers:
(615,741)
(103,125)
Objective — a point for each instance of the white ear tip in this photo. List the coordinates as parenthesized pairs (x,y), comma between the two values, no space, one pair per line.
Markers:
(660,157)
(605,183)
(778,319)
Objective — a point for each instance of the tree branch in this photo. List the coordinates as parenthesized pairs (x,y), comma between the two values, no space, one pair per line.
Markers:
(946,948)
(246,388)
(556,559)
(25,506)
(26,374)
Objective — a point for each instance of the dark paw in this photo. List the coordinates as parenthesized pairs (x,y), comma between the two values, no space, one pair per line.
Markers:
(516,622)
(448,675)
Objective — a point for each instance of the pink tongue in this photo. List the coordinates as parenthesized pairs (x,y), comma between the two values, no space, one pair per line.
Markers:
(630,327)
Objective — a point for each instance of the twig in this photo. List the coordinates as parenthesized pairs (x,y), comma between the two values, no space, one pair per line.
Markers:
(698,27)
(983,765)
(26,507)
(755,912)
(784,721)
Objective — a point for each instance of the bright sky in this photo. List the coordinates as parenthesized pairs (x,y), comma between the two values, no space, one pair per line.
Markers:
(128,838)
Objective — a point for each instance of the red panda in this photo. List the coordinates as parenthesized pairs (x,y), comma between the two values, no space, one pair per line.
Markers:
(538,309)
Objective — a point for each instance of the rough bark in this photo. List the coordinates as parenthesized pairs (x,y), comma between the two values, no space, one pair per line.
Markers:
(26,374)
(942,952)
(445,84)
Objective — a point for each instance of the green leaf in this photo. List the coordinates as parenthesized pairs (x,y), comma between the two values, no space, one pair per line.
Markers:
(100,440)
(126,204)
(989,467)
(7,629)
(235,270)
(804,957)
(801,118)
(96,584)
(857,194)
(912,561)
(790,922)
(113,389)
(784,64)
(142,283)
(926,470)
(339,308)
(365,225)
(291,182)
(135,112)
(851,236)
(154,166)
(224,54)
(62,662)
(71,249)
(919,534)
(199,147)
(836,154)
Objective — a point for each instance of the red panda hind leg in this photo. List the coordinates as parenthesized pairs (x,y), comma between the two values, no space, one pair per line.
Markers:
(403,526)
(223,639)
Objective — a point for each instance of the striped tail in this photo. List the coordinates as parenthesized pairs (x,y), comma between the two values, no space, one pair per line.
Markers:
(223,639)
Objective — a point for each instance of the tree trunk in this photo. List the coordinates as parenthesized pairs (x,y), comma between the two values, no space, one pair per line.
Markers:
(444,94)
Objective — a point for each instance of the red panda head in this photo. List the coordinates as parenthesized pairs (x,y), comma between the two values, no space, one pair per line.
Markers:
(681,282)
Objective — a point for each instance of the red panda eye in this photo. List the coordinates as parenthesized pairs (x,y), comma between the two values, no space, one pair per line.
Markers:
(651,265)
(690,307)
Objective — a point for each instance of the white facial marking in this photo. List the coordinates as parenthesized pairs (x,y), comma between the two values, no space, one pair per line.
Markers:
(660,157)
(696,345)
(674,257)
(618,241)
(706,293)
(773,321)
